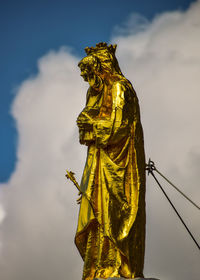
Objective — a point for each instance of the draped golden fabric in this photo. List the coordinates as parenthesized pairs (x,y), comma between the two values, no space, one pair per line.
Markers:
(111,226)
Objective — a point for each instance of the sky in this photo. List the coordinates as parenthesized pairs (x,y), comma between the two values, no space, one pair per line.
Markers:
(41,95)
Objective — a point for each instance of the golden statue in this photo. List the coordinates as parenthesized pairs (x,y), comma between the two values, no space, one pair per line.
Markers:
(111,226)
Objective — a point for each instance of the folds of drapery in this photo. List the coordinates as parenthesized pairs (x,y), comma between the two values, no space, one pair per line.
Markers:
(114,181)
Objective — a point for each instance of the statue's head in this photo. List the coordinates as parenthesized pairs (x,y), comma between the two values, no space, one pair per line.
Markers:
(100,61)
(89,66)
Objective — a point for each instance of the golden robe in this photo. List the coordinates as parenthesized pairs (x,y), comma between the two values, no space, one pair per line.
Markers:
(111,227)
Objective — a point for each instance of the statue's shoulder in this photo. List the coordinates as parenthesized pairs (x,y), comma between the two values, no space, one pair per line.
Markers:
(123,89)
(123,84)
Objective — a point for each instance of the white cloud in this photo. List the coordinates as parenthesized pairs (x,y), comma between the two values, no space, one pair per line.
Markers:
(2,214)
(163,62)
(134,24)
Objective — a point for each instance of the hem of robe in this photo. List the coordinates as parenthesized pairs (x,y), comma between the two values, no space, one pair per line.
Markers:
(84,231)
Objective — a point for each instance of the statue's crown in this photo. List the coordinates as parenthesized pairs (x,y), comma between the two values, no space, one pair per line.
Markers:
(101,47)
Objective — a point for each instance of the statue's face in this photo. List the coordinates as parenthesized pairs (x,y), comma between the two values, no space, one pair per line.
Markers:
(86,66)
(85,71)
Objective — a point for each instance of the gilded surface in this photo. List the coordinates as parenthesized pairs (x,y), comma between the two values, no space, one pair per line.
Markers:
(111,226)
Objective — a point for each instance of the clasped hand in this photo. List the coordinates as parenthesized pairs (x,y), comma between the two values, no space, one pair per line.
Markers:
(84,121)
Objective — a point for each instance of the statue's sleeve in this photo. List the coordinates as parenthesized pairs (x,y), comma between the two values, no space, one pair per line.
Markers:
(116,128)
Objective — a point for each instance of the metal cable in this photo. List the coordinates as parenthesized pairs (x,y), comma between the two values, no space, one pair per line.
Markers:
(150,169)
(152,166)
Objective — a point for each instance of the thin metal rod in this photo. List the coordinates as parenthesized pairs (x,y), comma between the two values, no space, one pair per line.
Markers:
(177,189)
(151,172)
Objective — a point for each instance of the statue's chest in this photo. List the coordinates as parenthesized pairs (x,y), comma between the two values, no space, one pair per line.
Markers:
(100,105)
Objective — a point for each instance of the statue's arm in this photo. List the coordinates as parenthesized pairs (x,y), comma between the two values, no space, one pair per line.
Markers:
(86,120)
(117,127)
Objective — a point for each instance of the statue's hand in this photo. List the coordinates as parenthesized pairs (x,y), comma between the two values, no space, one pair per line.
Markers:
(84,121)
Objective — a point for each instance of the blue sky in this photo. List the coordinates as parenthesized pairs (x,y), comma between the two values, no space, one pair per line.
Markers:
(29,29)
